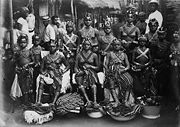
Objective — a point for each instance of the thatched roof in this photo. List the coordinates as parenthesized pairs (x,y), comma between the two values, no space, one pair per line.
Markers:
(92,3)
(115,4)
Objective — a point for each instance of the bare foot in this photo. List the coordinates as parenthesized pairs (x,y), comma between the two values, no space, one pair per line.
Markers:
(96,105)
(89,104)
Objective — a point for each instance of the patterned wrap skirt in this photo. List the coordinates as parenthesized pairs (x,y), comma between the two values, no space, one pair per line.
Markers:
(25,78)
(88,79)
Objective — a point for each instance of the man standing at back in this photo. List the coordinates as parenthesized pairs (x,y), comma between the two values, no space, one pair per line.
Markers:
(49,34)
(31,26)
(155,14)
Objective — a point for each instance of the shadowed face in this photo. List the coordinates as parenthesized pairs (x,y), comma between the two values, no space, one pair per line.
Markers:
(87,21)
(176,37)
(95,48)
(107,30)
(52,48)
(153,27)
(153,7)
(117,45)
(36,40)
(161,35)
(130,18)
(69,28)
(23,43)
(46,22)
(86,45)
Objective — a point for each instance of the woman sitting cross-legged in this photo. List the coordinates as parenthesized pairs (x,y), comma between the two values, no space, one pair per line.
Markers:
(86,67)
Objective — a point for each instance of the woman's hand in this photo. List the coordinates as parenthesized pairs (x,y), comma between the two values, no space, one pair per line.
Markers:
(88,66)
(80,73)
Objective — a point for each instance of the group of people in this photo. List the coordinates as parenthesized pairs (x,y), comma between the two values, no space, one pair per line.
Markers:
(103,68)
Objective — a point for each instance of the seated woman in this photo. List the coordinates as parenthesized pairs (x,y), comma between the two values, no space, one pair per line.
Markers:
(51,67)
(86,67)
(117,77)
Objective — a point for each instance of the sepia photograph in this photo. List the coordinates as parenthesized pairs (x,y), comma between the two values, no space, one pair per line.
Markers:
(90,63)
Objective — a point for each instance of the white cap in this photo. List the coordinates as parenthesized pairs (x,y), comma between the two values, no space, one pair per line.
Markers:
(154,1)
(45,18)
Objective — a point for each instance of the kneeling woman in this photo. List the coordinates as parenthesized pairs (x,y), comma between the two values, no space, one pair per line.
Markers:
(116,66)
(86,67)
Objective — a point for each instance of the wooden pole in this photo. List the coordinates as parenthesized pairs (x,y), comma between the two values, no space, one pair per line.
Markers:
(76,19)
(72,10)
(11,24)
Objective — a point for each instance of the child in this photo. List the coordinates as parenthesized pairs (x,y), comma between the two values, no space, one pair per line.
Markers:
(23,59)
(36,56)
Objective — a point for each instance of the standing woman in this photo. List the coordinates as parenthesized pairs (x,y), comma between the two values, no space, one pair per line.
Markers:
(129,34)
(88,31)
(117,76)
(86,67)
(175,63)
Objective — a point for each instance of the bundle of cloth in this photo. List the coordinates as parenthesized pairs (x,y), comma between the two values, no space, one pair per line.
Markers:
(38,115)
(67,103)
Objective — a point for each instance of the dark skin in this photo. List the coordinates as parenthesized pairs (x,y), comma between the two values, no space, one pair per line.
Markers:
(86,51)
(46,22)
(117,49)
(36,43)
(141,62)
(153,7)
(21,60)
(175,72)
(53,49)
(88,22)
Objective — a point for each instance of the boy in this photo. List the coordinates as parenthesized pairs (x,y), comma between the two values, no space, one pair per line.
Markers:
(36,56)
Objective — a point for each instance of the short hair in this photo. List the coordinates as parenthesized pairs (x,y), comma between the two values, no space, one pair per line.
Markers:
(23,36)
(53,17)
(153,22)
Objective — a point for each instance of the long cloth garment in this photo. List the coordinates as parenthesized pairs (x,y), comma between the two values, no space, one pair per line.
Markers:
(122,80)
(25,78)
(53,69)
(90,76)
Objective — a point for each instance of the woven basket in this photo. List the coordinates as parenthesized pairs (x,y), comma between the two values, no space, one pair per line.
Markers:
(95,114)
(151,112)
(122,118)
